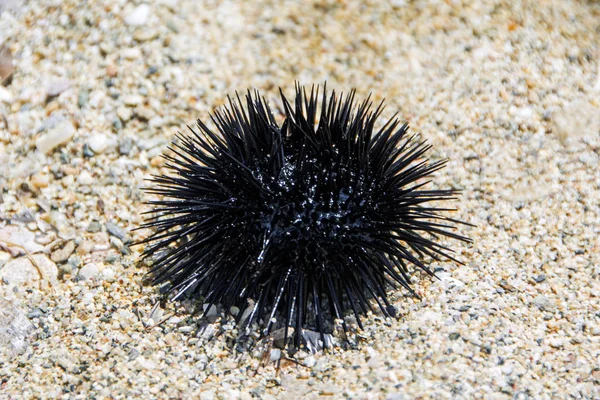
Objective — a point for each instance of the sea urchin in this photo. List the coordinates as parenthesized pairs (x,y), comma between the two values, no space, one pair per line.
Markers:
(304,220)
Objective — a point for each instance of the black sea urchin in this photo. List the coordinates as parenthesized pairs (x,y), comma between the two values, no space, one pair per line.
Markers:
(310,218)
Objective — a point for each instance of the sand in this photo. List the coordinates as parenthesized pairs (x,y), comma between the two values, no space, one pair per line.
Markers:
(509,92)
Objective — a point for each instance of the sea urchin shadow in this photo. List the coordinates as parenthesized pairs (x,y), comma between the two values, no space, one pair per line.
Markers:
(306,220)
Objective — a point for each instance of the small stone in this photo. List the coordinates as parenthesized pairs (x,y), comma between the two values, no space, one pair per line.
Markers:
(125,146)
(74,261)
(132,53)
(22,237)
(87,152)
(85,178)
(132,100)
(212,311)
(64,269)
(85,247)
(310,361)
(6,60)
(275,355)
(39,181)
(108,274)
(94,227)
(62,254)
(83,98)
(117,124)
(111,70)
(15,329)
(57,87)
(144,34)
(543,303)
(138,16)
(88,271)
(60,134)
(98,143)
(5,95)
(21,271)
(117,231)
(556,343)
(124,113)
(144,113)
(35,313)
(116,243)
(133,354)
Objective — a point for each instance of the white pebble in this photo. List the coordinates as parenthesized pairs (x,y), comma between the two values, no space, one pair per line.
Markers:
(21,237)
(310,361)
(132,53)
(88,270)
(21,270)
(88,298)
(57,87)
(56,136)
(98,143)
(275,354)
(85,178)
(5,95)
(138,16)
(132,99)
(108,274)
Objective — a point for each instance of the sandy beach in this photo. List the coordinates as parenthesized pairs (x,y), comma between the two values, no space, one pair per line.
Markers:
(93,93)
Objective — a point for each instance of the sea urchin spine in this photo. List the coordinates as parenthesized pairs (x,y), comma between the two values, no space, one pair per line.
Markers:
(310,218)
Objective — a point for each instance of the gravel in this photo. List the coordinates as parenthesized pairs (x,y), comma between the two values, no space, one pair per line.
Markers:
(508,93)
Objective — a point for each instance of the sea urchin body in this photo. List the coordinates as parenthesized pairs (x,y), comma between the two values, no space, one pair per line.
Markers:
(311,218)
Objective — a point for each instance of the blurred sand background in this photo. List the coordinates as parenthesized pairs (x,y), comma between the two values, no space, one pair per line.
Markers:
(508,91)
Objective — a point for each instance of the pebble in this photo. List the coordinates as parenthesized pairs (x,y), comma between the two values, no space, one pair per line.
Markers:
(275,355)
(139,15)
(63,253)
(85,178)
(132,53)
(117,231)
(310,361)
(98,143)
(108,274)
(58,86)
(124,113)
(112,70)
(21,237)
(5,95)
(125,146)
(83,98)
(87,151)
(59,135)
(6,58)
(211,312)
(132,100)
(88,271)
(144,34)
(21,271)
(15,329)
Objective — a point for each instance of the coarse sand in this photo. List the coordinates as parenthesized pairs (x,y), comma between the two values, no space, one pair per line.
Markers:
(508,91)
